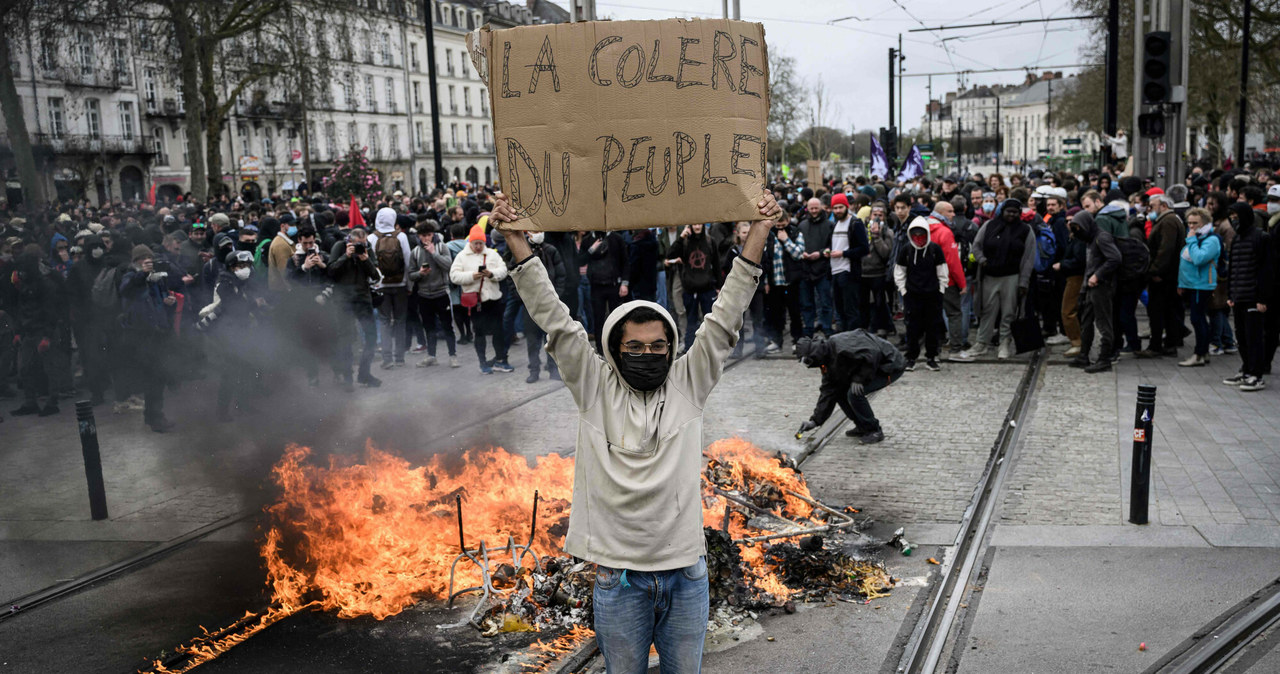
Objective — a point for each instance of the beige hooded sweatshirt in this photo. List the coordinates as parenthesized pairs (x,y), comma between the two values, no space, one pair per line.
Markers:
(637,501)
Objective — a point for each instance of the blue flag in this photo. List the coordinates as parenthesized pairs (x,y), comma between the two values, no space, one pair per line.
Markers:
(879,160)
(913,167)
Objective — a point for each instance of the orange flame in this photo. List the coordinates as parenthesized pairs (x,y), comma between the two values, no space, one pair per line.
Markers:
(371,538)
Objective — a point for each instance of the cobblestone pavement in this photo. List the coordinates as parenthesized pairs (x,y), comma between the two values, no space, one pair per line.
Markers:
(1066,470)
(939,428)
(1216,450)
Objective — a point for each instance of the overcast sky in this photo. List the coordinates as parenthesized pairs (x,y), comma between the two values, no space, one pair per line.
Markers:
(851,56)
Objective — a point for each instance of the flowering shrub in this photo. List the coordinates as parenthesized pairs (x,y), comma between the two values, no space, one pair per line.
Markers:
(353,175)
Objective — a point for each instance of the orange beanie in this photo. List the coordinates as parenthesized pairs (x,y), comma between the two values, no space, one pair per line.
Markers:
(477,233)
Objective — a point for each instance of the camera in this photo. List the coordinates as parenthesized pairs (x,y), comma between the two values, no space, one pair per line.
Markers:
(360,249)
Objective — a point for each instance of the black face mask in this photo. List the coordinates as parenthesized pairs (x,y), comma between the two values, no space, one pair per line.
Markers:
(1042,207)
(645,372)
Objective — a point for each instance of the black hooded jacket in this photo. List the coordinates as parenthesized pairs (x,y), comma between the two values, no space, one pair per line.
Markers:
(1003,243)
(856,356)
(1250,277)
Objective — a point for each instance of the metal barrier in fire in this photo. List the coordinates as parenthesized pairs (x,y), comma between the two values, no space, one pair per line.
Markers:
(480,558)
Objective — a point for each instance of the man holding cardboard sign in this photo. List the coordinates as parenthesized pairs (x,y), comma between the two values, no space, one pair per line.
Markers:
(627,124)
(637,506)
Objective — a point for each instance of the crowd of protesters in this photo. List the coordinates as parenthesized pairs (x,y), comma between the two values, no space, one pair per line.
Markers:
(133,299)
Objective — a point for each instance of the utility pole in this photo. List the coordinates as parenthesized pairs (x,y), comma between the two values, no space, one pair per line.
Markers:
(999,138)
(929,109)
(893,56)
(1048,126)
(959,138)
(433,89)
(1137,151)
(901,58)
(1244,81)
(1112,95)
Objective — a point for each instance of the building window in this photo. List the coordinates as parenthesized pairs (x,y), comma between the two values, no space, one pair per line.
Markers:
(331,140)
(243,132)
(375,152)
(369,94)
(149,88)
(368,46)
(448,61)
(470,141)
(446,16)
(322,41)
(48,53)
(268,152)
(93,115)
(57,118)
(462,18)
(411,9)
(182,101)
(462,62)
(84,52)
(387,59)
(422,141)
(391,94)
(353,134)
(413,52)
(393,141)
(348,91)
(126,119)
(157,146)
(119,58)
(143,35)
(417,97)
(186,146)
(484,133)
(466,99)
(453,135)
(453,103)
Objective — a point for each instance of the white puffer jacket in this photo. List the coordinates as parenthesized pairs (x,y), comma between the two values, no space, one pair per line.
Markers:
(467,263)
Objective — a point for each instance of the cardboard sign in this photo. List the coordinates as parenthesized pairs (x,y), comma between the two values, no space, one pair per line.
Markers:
(628,124)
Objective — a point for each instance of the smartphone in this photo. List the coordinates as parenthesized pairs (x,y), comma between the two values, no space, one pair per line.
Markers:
(484,268)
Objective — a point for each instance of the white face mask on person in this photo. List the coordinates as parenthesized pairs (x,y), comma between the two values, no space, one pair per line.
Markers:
(536,238)
(1273,207)
(243,273)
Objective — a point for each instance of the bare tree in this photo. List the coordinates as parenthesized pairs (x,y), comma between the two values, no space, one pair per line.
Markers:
(821,109)
(788,98)
(15,20)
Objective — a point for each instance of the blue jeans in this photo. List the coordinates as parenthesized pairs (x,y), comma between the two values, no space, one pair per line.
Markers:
(1198,305)
(584,303)
(815,300)
(668,609)
(696,305)
(1220,334)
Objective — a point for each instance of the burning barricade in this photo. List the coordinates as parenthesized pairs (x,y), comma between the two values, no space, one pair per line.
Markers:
(372,538)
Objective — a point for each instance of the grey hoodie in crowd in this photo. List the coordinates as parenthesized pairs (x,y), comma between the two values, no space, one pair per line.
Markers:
(435,283)
(1103,257)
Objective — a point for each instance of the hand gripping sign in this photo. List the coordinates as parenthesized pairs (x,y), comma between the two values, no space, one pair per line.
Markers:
(628,124)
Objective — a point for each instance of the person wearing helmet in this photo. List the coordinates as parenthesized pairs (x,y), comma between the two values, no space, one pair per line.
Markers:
(232,313)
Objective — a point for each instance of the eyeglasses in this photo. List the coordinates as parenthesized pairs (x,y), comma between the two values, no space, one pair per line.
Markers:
(658,348)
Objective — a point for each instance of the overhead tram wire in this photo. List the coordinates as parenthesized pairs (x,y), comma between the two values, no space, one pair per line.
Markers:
(1082,17)
(686,12)
(1001,70)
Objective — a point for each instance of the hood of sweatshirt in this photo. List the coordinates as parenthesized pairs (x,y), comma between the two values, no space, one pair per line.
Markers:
(614,322)
(1087,227)
(385,221)
(918,225)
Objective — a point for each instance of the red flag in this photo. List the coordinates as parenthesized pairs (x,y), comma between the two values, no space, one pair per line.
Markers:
(151,199)
(354,219)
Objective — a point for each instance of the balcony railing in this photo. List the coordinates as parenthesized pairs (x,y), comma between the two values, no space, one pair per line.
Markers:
(104,78)
(70,143)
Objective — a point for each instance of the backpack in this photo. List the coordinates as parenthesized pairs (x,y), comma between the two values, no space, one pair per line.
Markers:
(1047,245)
(106,290)
(1134,260)
(390,258)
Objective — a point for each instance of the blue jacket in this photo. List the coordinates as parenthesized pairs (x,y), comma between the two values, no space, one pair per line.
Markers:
(1198,263)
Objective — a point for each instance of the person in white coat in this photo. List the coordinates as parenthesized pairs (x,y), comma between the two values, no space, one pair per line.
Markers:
(637,506)
(478,271)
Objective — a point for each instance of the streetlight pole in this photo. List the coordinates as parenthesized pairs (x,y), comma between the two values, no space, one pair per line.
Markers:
(1244,80)
(433,90)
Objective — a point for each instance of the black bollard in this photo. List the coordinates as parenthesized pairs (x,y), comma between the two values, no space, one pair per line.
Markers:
(1140,479)
(92,459)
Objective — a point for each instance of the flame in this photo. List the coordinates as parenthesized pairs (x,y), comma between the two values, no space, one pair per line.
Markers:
(371,538)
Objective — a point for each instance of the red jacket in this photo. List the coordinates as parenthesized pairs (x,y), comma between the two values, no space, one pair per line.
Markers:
(940,234)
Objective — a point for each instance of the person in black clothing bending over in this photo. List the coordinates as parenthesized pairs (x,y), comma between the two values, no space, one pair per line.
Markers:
(854,364)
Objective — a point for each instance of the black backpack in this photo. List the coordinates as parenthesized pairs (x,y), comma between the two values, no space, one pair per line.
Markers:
(1134,261)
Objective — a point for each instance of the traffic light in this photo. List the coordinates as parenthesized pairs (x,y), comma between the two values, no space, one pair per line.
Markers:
(1156,50)
(1151,125)
(889,141)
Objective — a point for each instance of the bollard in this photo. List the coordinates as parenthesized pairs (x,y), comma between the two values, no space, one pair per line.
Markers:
(92,459)
(1140,478)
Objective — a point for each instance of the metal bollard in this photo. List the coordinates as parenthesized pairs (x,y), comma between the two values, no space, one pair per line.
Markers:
(1140,477)
(92,459)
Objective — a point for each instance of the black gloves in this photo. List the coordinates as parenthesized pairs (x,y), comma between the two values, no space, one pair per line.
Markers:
(855,388)
(807,426)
